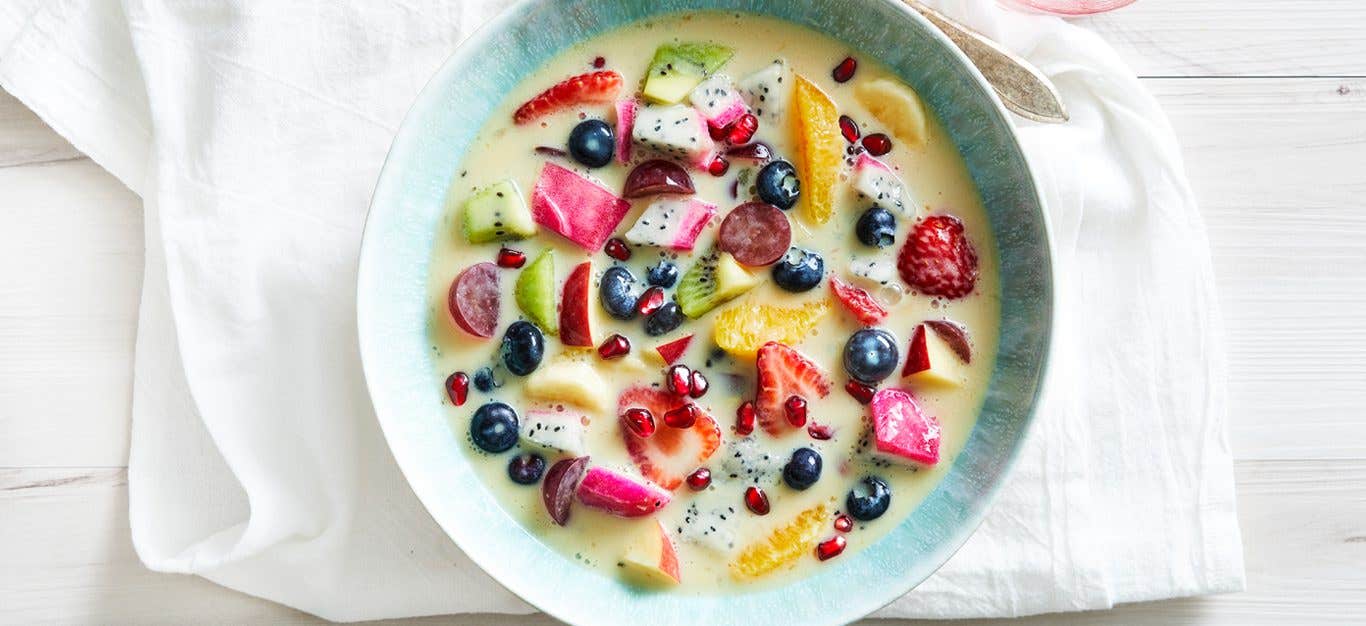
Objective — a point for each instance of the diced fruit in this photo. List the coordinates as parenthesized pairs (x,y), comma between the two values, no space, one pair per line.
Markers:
(757,152)
(869,499)
(783,373)
(522,348)
(510,259)
(575,325)
(614,347)
(663,274)
(794,409)
(710,522)
(746,460)
(755,233)
(902,432)
(756,500)
(672,223)
(742,130)
(871,355)
(526,469)
(458,388)
(778,185)
(484,381)
(859,391)
(930,360)
(896,105)
(744,418)
(618,290)
(876,227)
(674,350)
(699,479)
(639,421)
(592,143)
(626,122)
(712,281)
(877,144)
(741,330)
(494,427)
(683,417)
(783,546)
(799,270)
(955,335)
(844,523)
(474,299)
(580,210)
(571,382)
(590,88)
(555,429)
(803,469)
(718,167)
(767,90)
(698,384)
(497,213)
(831,548)
(617,249)
(873,271)
(657,176)
(820,150)
(938,259)
(849,128)
(820,432)
(650,558)
(845,70)
(678,380)
(557,492)
(718,101)
(677,68)
(650,301)
(670,454)
(858,302)
(677,131)
(664,321)
(618,494)
(875,181)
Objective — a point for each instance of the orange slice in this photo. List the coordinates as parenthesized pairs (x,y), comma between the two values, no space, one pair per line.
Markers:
(741,330)
(784,546)
(819,149)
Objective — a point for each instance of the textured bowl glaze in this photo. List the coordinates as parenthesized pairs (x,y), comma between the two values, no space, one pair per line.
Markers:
(393,315)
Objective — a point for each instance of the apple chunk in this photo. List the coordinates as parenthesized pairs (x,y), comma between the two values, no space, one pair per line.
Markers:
(933,361)
(651,558)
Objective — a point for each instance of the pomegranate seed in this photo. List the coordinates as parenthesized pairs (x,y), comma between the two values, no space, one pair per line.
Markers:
(795,409)
(820,432)
(743,129)
(640,421)
(614,347)
(830,548)
(845,70)
(844,523)
(650,301)
(718,133)
(744,418)
(757,151)
(697,384)
(549,151)
(848,128)
(679,380)
(682,417)
(458,388)
(877,144)
(599,62)
(507,257)
(861,392)
(756,500)
(699,479)
(617,249)
(718,167)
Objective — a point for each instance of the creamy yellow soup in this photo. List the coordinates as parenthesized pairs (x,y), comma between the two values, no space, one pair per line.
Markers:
(935,179)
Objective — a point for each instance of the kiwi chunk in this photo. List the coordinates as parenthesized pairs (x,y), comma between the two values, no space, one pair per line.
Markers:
(713,280)
(677,68)
(535,292)
(497,213)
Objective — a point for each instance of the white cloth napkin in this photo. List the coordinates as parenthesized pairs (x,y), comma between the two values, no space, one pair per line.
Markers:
(254,133)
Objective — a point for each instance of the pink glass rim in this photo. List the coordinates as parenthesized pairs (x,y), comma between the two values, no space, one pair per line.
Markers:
(1072,7)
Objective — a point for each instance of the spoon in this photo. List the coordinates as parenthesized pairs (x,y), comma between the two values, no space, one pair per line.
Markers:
(1022,87)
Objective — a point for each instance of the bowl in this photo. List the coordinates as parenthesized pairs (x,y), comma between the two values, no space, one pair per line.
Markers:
(393,310)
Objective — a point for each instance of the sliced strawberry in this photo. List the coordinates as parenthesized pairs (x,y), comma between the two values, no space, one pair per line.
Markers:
(593,87)
(859,302)
(938,259)
(783,373)
(670,454)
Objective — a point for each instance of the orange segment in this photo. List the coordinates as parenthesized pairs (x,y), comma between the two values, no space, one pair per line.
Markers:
(784,546)
(741,330)
(819,147)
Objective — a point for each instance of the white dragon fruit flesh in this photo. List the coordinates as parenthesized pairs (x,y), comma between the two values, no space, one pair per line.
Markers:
(672,223)
(718,101)
(878,275)
(710,525)
(558,430)
(877,182)
(767,90)
(746,462)
(677,131)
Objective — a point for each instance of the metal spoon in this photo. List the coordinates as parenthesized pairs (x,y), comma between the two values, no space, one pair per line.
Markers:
(1021,86)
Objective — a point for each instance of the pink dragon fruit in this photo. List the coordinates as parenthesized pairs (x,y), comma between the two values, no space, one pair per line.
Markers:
(877,182)
(579,209)
(767,90)
(626,120)
(619,494)
(672,223)
(902,431)
(677,131)
(718,101)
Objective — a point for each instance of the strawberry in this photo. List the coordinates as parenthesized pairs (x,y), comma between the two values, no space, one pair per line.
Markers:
(859,302)
(938,259)
(783,373)
(592,87)
(669,455)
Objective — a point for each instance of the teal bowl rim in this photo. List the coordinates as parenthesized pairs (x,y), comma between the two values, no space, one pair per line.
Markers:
(569,605)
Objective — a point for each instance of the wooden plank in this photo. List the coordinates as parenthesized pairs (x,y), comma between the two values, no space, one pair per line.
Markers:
(26,139)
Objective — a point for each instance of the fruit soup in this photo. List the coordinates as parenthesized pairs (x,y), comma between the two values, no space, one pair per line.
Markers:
(714,301)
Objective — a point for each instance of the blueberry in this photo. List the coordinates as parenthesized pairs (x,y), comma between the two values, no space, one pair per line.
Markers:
(876,227)
(526,469)
(869,499)
(663,275)
(664,320)
(494,427)
(803,470)
(523,347)
(619,292)
(870,355)
(778,185)
(799,270)
(483,380)
(591,143)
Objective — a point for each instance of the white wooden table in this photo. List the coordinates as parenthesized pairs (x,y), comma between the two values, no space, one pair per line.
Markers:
(1267,96)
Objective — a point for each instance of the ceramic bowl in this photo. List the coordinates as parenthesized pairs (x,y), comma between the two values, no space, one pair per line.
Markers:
(393,315)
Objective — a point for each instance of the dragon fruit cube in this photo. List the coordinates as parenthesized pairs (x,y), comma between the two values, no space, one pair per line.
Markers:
(718,101)
(877,182)
(767,90)
(677,131)
(902,431)
(558,430)
(619,494)
(579,209)
(672,223)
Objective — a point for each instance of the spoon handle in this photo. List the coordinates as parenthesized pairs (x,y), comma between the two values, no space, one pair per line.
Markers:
(1021,86)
